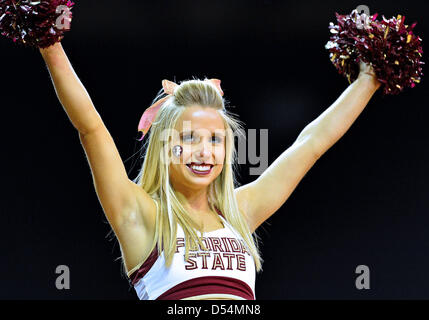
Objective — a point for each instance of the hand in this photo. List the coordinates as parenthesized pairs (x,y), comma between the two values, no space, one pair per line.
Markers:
(367,71)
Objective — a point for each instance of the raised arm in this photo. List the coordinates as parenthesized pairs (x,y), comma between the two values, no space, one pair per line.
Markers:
(129,209)
(264,196)
(335,121)
(70,91)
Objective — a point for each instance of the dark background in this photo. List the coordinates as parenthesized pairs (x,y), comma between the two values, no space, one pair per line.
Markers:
(365,202)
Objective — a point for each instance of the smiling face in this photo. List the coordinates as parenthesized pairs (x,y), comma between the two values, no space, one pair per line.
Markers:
(202,137)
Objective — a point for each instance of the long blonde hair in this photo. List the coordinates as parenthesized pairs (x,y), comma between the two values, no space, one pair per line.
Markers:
(154,175)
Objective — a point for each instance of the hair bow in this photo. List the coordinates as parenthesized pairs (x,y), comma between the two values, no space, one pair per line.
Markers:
(149,115)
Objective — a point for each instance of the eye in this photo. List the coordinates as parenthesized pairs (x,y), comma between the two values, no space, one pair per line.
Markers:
(190,137)
(217,139)
(187,137)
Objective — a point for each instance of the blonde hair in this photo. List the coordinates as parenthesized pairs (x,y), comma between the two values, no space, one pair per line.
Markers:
(154,175)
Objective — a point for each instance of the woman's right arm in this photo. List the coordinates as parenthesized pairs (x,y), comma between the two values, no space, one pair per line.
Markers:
(129,209)
(70,91)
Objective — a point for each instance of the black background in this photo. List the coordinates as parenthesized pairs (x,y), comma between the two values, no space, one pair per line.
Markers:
(365,202)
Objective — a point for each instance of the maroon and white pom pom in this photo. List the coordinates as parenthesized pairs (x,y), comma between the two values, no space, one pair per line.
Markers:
(389,46)
(35,23)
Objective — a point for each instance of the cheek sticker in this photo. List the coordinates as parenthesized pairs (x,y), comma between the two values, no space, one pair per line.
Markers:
(177,150)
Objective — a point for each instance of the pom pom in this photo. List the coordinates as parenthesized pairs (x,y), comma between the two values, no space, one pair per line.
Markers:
(35,23)
(389,46)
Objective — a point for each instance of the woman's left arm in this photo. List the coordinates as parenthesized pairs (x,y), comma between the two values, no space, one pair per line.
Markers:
(259,199)
(334,122)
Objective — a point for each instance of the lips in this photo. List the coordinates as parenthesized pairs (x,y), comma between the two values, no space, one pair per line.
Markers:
(193,167)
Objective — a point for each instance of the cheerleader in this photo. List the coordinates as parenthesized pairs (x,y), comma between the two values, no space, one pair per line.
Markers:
(186,232)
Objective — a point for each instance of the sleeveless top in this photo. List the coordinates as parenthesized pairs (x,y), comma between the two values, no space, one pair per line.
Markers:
(226,270)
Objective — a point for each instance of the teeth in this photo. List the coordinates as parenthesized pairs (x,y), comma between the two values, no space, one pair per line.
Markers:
(201,168)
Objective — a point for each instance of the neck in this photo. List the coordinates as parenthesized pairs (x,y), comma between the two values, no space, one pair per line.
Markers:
(197,200)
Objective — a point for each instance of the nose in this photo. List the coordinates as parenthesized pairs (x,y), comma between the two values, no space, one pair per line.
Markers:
(204,150)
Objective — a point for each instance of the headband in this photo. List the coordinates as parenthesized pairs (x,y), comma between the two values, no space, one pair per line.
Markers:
(149,115)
